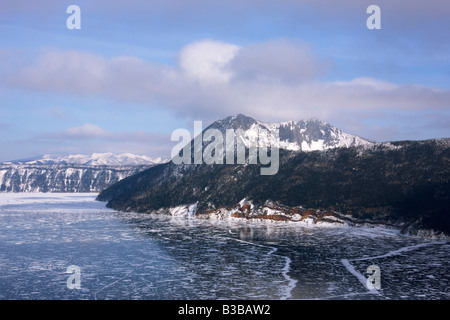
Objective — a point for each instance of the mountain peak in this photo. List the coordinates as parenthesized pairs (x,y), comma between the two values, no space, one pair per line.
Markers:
(237,121)
(302,135)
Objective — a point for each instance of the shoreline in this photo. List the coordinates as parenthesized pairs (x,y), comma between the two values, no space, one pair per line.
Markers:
(246,211)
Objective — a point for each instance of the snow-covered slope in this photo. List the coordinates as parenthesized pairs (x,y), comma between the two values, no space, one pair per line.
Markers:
(312,135)
(303,135)
(73,173)
(95,159)
(61,177)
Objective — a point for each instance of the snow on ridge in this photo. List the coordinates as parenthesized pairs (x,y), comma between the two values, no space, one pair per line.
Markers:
(295,135)
(313,135)
(95,159)
(66,178)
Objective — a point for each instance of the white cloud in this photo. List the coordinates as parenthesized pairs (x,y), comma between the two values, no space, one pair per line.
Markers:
(368,83)
(271,81)
(208,60)
(278,61)
(87,130)
(62,70)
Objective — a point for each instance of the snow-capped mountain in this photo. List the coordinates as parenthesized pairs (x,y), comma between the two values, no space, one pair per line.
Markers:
(61,177)
(348,178)
(303,135)
(73,173)
(95,159)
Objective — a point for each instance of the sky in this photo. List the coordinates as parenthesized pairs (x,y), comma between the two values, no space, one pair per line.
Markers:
(137,70)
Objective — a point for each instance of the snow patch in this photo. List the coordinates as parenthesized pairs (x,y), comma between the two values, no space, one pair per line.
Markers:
(184,211)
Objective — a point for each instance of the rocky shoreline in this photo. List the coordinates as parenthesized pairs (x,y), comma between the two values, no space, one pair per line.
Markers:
(276,212)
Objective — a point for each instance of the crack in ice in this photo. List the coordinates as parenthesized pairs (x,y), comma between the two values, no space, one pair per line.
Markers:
(350,268)
(111,284)
(285,271)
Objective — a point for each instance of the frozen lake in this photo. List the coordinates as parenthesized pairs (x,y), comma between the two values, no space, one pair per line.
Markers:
(136,256)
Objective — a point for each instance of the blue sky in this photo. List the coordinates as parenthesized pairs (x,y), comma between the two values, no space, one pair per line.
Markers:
(137,70)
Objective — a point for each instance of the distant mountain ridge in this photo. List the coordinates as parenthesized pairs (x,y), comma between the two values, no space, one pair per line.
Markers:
(324,175)
(72,173)
(95,159)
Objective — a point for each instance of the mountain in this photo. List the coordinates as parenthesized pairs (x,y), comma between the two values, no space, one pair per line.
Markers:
(73,173)
(95,159)
(304,135)
(324,176)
